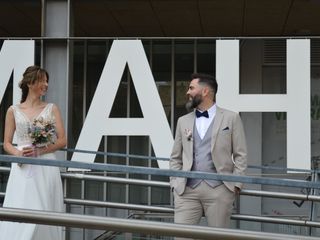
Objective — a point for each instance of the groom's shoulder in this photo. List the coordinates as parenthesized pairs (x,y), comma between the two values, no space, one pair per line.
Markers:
(188,115)
(228,112)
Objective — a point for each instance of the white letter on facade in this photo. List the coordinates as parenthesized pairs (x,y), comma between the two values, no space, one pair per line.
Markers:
(15,56)
(296,102)
(153,124)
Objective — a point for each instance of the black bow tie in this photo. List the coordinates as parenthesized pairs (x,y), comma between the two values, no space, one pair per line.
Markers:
(202,114)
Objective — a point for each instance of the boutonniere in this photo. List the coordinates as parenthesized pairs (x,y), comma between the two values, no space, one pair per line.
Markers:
(188,134)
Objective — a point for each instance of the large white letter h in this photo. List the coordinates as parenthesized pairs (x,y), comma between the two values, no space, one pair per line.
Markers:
(296,102)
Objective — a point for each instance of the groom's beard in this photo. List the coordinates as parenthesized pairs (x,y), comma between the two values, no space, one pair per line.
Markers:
(194,102)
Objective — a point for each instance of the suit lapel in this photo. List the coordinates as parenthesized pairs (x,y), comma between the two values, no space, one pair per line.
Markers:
(216,125)
(190,123)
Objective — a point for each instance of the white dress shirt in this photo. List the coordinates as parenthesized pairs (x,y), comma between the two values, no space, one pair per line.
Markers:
(203,123)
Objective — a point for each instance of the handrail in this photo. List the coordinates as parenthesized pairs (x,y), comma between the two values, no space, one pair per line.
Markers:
(138,226)
(143,157)
(292,196)
(162,184)
(169,210)
(115,179)
(127,206)
(277,220)
(162,172)
(256,193)
(151,183)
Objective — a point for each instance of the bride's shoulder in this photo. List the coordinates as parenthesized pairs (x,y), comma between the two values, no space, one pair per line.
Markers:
(11,110)
(13,107)
(54,108)
(53,105)
(47,105)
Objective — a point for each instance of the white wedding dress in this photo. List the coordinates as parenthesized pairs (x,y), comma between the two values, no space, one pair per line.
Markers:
(32,187)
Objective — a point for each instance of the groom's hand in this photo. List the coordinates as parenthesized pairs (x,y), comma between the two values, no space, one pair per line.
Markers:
(237,190)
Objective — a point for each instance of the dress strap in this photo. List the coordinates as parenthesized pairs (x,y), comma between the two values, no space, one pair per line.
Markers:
(14,108)
(48,110)
(49,107)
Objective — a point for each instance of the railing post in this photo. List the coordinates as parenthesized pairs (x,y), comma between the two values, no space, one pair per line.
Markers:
(314,206)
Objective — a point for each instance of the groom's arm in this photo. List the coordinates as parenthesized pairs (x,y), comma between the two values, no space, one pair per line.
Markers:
(176,154)
(239,147)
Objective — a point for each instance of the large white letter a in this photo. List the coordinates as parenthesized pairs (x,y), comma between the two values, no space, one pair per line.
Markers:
(153,124)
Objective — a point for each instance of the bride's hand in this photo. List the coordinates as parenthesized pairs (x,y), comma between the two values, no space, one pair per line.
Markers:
(19,153)
(29,151)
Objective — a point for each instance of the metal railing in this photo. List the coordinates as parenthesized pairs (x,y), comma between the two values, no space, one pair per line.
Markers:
(162,172)
(139,226)
(169,210)
(82,176)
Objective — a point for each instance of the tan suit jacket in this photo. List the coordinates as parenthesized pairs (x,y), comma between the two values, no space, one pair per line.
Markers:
(228,147)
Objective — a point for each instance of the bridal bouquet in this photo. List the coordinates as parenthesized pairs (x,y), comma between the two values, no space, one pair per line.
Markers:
(42,132)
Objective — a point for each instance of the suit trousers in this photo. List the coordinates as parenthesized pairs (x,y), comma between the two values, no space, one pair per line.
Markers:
(215,203)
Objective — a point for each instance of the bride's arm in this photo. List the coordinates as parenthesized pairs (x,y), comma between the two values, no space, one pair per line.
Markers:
(9,129)
(61,141)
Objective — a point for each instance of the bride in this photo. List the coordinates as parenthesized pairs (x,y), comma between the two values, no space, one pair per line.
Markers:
(33,186)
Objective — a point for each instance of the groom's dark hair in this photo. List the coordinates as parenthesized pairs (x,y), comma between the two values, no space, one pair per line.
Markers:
(206,79)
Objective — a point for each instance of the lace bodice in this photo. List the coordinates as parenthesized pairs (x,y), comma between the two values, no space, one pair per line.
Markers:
(23,123)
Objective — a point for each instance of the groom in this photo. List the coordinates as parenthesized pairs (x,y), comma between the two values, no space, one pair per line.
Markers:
(208,139)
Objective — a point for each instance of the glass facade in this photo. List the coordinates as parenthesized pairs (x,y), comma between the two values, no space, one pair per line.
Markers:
(172,62)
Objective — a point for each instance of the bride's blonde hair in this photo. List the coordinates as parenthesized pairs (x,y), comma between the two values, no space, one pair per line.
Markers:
(30,76)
